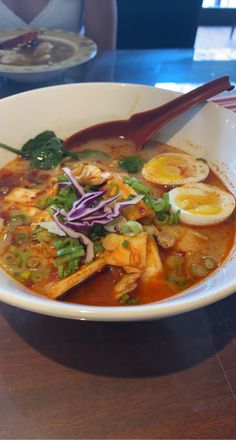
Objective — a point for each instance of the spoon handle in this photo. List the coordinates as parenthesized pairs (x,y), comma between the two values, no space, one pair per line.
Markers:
(147,123)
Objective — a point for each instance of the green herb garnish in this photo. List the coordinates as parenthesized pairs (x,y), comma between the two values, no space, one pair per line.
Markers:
(132,164)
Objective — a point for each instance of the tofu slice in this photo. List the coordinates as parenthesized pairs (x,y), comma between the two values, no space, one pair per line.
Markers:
(154,265)
(29,211)
(24,196)
(55,289)
(89,174)
(41,216)
(132,256)
(127,284)
(27,196)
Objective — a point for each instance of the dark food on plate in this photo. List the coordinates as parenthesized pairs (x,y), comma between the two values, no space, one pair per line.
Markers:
(103,225)
(32,49)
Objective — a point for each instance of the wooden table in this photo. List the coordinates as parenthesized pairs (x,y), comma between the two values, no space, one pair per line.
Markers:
(168,379)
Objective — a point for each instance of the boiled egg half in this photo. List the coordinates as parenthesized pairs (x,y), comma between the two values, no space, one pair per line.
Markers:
(175,169)
(201,204)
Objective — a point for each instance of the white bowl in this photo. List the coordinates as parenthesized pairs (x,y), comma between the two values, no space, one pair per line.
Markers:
(207,131)
(84,49)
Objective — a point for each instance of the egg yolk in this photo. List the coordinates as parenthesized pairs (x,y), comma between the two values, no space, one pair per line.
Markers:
(168,168)
(206,204)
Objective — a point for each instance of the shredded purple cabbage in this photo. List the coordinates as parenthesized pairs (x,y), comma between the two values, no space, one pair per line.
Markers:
(88,211)
(74,181)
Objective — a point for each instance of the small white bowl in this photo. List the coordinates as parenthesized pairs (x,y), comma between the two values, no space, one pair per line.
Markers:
(84,49)
(207,131)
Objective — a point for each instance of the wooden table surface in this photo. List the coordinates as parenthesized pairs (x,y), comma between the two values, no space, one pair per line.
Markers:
(168,379)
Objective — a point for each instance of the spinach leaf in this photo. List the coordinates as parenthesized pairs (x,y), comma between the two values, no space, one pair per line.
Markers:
(37,142)
(45,151)
(48,155)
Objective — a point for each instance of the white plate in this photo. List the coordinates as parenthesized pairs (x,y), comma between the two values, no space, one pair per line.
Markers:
(207,131)
(84,50)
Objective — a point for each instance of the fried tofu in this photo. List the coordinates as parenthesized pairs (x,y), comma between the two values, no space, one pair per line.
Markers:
(133,255)
(41,216)
(154,265)
(25,196)
(187,239)
(124,189)
(29,211)
(88,174)
(55,289)
(127,284)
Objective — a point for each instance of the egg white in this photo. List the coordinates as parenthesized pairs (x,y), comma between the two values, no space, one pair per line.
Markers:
(226,204)
(181,169)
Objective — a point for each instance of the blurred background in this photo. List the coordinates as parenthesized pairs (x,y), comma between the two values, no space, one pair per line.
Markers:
(206,24)
(173,44)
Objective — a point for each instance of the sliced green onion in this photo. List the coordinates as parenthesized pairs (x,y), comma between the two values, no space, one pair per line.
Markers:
(125,243)
(21,236)
(115,225)
(33,261)
(176,281)
(198,270)
(40,274)
(175,261)
(12,261)
(26,274)
(98,247)
(131,228)
(41,234)
(17,220)
(68,257)
(62,179)
(210,263)
(128,299)
(42,202)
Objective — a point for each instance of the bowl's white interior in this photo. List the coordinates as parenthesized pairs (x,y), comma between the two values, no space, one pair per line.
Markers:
(206,131)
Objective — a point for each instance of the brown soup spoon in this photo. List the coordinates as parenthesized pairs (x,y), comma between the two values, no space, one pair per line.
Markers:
(140,127)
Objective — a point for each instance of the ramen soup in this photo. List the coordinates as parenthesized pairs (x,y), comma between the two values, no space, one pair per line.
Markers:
(41,51)
(102,225)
